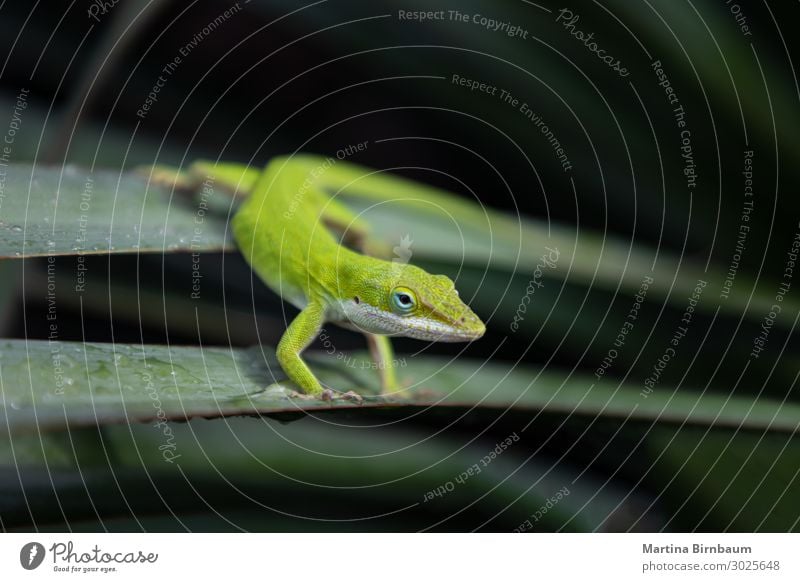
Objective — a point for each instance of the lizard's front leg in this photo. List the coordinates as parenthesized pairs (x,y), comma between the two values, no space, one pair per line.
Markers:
(298,335)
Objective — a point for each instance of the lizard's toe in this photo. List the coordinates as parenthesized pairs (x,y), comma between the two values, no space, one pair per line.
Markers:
(329,395)
(350,395)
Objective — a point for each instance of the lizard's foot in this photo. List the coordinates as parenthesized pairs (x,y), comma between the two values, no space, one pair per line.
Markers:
(301,395)
(326,394)
(329,395)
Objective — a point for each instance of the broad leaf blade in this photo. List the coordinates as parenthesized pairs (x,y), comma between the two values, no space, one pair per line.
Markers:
(61,384)
(71,211)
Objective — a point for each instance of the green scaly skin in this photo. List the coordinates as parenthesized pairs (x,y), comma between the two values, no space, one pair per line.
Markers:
(281,229)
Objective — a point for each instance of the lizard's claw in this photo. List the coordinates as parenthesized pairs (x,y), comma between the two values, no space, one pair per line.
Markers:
(350,395)
(301,395)
(328,395)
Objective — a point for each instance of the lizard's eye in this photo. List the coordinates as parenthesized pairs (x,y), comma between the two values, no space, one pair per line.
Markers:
(403,300)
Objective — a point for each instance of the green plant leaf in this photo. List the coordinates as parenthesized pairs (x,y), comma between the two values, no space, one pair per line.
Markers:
(300,469)
(745,481)
(70,211)
(52,385)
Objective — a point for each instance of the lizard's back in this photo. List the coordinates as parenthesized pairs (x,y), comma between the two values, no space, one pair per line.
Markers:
(279,230)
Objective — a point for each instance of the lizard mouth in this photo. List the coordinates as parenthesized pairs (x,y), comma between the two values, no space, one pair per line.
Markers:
(444,333)
(373,320)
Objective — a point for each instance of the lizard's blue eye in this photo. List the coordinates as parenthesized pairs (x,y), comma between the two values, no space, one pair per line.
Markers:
(403,300)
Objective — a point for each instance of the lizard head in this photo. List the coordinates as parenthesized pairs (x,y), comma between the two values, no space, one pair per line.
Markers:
(404,300)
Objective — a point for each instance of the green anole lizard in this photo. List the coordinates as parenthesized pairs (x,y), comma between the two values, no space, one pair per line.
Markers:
(282,229)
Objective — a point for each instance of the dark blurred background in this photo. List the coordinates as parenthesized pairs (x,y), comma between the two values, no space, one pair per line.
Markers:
(270,77)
